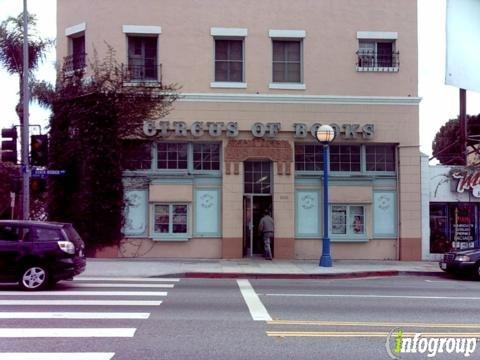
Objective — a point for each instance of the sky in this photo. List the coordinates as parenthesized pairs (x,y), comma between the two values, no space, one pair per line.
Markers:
(439,101)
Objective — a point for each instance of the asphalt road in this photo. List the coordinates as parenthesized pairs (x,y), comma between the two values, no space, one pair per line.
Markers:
(230,319)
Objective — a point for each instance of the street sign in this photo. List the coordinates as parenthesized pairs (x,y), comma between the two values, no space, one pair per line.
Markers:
(45,172)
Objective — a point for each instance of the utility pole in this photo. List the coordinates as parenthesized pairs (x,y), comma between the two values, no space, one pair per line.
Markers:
(464,124)
(25,134)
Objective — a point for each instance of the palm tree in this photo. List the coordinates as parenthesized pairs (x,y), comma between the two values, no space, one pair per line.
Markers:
(11,50)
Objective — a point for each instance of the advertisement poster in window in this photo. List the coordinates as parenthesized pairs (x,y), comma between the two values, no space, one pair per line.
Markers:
(463,226)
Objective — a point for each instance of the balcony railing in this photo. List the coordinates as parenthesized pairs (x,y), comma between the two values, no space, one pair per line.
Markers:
(143,73)
(75,62)
(369,60)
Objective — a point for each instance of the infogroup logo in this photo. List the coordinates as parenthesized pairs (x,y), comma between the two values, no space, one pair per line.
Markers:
(398,343)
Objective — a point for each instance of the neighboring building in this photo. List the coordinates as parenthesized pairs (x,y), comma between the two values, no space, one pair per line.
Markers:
(451,209)
(258,77)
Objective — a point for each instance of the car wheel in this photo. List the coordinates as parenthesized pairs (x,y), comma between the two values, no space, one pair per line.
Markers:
(34,278)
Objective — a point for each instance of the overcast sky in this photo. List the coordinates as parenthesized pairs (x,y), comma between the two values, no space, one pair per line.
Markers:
(440,102)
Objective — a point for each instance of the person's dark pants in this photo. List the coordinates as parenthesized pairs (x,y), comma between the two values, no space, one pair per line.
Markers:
(266,243)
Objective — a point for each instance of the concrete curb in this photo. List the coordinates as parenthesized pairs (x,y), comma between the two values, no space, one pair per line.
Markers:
(286,276)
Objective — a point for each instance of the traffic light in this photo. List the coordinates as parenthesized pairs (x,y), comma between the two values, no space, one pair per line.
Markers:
(38,185)
(39,150)
(9,147)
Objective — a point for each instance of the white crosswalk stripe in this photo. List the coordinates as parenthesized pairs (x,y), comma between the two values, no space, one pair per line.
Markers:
(132,279)
(85,293)
(73,315)
(100,285)
(57,356)
(69,296)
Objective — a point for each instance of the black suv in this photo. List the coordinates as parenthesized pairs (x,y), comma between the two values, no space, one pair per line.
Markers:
(462,262)
(39,254)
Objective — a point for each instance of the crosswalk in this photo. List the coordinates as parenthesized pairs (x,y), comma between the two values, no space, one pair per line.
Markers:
(126,293)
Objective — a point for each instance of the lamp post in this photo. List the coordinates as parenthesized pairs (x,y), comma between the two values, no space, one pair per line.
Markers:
(325,135)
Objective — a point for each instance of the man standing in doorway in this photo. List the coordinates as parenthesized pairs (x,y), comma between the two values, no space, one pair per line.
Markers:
(266,229)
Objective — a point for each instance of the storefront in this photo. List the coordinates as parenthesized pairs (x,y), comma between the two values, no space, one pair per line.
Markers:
(453,210)
(190,188)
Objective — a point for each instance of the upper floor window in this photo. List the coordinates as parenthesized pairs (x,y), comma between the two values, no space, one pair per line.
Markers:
(228,60)
(380,157)
(76,58)
(377,51)
(287,61)
(142,58)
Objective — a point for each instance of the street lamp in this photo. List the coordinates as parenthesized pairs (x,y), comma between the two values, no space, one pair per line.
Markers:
(325,135)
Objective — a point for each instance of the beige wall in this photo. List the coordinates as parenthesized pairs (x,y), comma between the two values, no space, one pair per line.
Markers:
(186,47)
(373,249)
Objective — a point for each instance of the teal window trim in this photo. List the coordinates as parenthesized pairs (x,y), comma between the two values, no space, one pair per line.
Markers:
(395,215)
(349,236)
(217,233)
(170,236)
(145,232)
(298,233)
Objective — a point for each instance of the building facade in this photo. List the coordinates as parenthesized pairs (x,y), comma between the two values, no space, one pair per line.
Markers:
(451,209)
(258,78)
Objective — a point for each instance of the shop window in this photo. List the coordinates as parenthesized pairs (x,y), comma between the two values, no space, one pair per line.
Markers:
(172,156)
(287,61)
(453,226)
(345,158)
(206,156)
(136,155)
(308,157)
(229,60)
(347,220)
(171,219)
(380,158)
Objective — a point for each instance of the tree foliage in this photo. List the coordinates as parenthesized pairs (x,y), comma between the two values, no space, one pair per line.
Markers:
(11,49)
(447,147)
(93,111)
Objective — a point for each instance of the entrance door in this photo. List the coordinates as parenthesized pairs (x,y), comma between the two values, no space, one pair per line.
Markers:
(257,199)
(248,225)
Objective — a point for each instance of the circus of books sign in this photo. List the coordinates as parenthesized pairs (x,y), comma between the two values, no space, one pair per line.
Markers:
(467,180)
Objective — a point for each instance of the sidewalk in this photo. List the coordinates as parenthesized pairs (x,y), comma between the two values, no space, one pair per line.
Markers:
(254,268)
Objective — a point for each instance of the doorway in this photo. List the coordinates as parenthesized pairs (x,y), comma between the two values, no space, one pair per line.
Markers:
(257,199)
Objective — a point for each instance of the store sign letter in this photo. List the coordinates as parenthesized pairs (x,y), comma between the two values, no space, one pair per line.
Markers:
(468,181)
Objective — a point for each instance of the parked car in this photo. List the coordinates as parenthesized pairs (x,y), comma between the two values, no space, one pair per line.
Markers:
(38,254)
(462,262)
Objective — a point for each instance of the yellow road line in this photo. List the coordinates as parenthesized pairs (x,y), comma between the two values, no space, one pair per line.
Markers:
(361,334)
(372,324)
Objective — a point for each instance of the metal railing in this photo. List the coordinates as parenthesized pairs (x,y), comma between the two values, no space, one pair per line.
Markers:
(75,62)
(146,72)
(375,59)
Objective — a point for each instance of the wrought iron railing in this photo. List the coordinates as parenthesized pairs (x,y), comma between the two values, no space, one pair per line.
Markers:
(378,59)
(75,62)
(146,72)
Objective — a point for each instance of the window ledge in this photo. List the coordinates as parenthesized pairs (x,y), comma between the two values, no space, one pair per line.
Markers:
(377,69)
(146,83)
(228,85)
(350,239)
(159,238)
(287,86)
